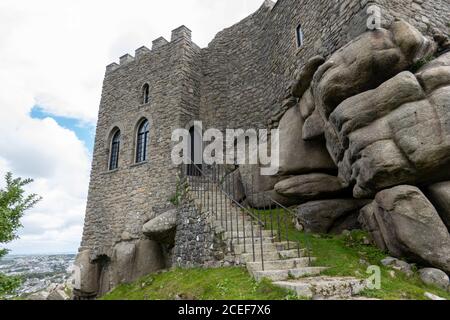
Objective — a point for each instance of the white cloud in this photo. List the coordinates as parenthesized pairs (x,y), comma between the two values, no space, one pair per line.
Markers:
(53,53)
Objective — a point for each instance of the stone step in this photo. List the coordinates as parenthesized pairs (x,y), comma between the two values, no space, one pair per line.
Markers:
(273,246)
(241,248)
(247,241)
(318,288)
(271,255)
(240,228)
(232,220)
(281,275)
(292,253)
(241,234)
(268,255)
(280,264)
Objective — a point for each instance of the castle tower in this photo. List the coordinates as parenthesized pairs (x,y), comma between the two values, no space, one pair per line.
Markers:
(144,98)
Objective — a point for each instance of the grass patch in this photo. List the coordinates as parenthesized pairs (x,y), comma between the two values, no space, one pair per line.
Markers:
(200,284)
(350,255)
(345,255)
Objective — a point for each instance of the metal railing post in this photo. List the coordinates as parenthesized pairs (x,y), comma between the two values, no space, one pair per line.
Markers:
(287,229)
(262,247)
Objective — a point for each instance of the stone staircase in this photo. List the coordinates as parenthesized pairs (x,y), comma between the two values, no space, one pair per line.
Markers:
(265,257)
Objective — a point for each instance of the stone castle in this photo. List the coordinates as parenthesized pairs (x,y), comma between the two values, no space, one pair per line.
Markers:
(254,75)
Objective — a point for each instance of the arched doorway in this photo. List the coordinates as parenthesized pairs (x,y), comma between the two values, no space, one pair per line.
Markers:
(195,152)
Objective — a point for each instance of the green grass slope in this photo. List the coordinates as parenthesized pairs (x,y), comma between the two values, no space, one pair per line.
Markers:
(199,284)
(345,255)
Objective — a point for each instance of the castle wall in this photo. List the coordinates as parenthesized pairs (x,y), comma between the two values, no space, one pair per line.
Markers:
(248,68)
(424,15)
(121,201)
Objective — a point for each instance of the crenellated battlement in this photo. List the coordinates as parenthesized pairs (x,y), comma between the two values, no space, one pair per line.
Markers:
(181,33)
(126,59)
(140,52)
(158,43)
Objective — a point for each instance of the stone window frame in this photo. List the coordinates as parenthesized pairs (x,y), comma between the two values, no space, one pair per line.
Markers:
(112,133)
(299,36)
(141,149)
(138,122)
(145,94)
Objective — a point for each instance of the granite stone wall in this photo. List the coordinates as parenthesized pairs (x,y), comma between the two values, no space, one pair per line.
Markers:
(121,201)
(197,242)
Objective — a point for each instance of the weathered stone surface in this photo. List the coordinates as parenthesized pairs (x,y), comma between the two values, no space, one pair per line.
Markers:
(262,200)
(398,265)
(38,296)
(433,78)
(413,45)
(296,155)
(86,274)
(433,297)
(306,104)
(306,76)
(197,243)
(330,216)
(439,195)
(57,293)
(254,182)
(367,62)
(312,186)
(359,111)
(405,223)
(149,258)
(405,139)
(313,128)
(132,260)
(435,277)
(122,262)
(233,185)
(162,228)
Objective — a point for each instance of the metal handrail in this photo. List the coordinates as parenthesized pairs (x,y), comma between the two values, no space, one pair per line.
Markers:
(230,197)
(307,242)
(206,180)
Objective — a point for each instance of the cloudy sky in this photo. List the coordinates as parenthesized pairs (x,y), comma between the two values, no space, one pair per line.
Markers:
(52,59)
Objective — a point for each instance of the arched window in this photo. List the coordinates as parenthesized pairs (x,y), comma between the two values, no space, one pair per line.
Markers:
(299,35)
(115,148)
(142,141)
(146,93)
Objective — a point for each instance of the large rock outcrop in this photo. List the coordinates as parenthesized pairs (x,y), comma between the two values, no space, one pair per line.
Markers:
(367,62)
(259,189)
(298,156)
(86,275)
(403,222)
(379,120)
(330,216)
(439,195)
(162,228)
(130,260)
(404,139)
(311,186)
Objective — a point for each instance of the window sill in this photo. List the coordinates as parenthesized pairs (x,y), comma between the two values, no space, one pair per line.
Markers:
(111,171)
(139,164)
(300,49)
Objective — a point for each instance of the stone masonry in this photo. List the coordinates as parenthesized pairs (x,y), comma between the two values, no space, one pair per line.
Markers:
(241,80)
